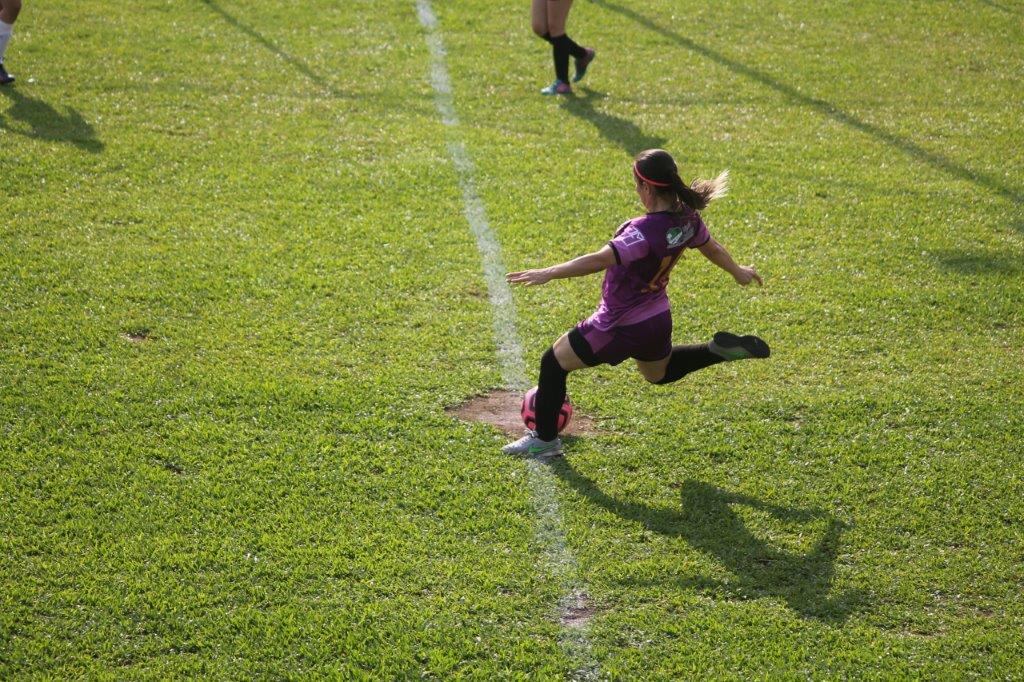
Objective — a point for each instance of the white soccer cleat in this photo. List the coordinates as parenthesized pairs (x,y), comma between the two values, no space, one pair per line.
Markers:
(532,446)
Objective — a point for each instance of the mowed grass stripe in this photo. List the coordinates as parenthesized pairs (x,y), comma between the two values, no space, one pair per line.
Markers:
(265,483)
(819,512)
(560,563)
(848,509)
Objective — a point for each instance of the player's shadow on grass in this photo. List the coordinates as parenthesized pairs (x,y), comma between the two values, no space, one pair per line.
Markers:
(707,521)
(35,118)
(621,131)
(1000,6)
(823,107)
(980,263)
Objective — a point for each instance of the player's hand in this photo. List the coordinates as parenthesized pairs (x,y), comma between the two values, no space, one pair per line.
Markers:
(748,274)
(529,277)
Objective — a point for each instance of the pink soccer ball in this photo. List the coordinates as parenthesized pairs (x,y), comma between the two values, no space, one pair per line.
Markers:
(529,411)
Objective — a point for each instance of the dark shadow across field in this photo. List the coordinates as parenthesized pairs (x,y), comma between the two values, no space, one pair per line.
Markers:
(823,107)
(981,263)
(294,62)
(1000,6)
(45,122)
(707,522)
(620,131)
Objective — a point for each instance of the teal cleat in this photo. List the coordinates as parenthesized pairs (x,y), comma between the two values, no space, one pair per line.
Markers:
(582,64)
(559,87)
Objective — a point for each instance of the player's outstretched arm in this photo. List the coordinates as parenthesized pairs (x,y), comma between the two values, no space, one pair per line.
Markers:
(577,267)
(720,256)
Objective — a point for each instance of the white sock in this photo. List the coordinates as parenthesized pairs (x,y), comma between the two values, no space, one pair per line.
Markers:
(5,35)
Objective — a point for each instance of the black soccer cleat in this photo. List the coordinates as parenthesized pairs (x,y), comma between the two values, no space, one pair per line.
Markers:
(5,78)
(732,347)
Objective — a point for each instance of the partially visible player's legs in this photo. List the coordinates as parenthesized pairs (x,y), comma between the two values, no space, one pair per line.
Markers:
(562,46)
(539,24)
(539,19)
(565,47)
(9,10)
(683,360)
(555,365)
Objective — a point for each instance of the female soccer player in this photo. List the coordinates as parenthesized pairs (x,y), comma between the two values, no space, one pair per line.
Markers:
(8,13)
(633,319)
(548,20)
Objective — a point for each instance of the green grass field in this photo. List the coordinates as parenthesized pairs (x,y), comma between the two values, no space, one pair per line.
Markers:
(238,292)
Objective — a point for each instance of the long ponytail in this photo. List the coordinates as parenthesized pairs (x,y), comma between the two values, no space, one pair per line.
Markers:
(699,193)
(658,168)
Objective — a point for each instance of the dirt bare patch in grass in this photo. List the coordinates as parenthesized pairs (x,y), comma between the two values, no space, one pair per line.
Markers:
(137,335)
(501,408)
(173,467)
(576,610)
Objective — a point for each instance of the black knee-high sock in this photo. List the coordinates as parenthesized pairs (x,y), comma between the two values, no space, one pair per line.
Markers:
(560,54)
(547,38)
(550,395)
(686,359)
(574,50)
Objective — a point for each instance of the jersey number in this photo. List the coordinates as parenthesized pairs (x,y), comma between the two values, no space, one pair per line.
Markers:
(660,279)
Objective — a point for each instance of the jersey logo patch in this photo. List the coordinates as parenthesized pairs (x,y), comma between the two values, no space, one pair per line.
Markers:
(678,235)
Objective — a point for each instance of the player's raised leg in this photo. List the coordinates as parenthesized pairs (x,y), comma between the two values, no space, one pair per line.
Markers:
(733,347)
(683,360)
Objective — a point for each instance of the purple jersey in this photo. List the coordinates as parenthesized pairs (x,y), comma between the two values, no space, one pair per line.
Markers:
(646,249)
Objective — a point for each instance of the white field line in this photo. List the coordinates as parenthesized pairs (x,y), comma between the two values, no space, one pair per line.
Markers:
(560,562)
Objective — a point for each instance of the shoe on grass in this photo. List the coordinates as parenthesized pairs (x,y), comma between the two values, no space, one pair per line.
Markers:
(5,78)
(582,63)
(559,87)
(532,446)
(732,347)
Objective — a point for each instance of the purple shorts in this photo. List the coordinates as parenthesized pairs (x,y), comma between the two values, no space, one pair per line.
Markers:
(648,340)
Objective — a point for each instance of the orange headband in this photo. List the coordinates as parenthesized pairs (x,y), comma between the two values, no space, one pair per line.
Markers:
(640,175)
